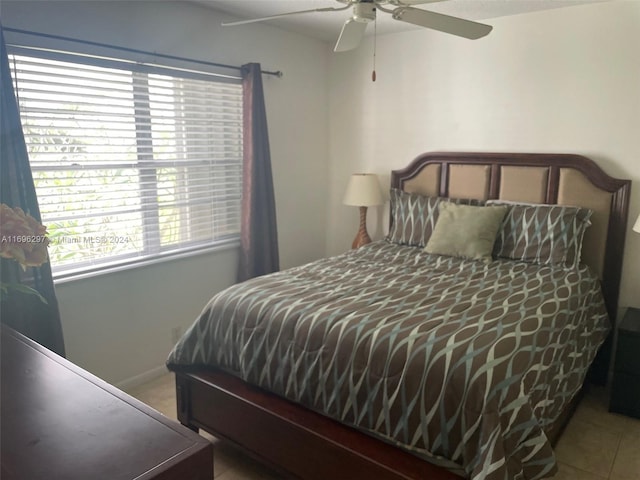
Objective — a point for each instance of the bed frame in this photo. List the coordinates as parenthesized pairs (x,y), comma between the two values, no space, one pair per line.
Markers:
(299,443)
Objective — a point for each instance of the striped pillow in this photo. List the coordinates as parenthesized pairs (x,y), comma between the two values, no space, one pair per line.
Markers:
(542,234)
(414,216)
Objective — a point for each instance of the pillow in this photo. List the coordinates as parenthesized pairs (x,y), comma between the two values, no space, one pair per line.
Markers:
(542,234)
(466,231)
(414,216)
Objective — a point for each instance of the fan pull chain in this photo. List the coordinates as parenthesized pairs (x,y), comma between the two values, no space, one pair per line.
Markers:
(375,37)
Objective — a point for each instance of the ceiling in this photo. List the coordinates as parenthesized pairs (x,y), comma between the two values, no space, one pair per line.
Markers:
(326,25)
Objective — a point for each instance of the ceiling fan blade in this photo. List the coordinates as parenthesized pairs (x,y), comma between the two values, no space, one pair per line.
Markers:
(350,36)
(443,23)
(271,17)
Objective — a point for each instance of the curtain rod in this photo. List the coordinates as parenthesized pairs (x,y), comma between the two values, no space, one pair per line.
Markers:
(276,73)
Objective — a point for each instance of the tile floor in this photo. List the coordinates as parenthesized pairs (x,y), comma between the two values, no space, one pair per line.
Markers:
(596,445)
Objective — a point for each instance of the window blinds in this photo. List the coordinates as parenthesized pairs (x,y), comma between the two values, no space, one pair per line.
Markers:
(129,164)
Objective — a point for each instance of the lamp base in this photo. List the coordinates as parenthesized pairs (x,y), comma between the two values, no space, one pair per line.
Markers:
(362,237)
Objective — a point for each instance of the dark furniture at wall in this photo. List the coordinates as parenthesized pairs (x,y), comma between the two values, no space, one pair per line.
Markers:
(625,392)
(60,422)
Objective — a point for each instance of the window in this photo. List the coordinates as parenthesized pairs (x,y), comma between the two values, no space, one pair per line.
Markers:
(129,164)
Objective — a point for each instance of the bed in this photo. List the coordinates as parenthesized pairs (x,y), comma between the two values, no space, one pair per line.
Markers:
(392,362)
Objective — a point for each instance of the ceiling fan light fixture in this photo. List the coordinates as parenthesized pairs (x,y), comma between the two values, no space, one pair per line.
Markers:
(364,12)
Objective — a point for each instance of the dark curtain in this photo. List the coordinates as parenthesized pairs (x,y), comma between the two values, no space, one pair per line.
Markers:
(258,232)
(22,311)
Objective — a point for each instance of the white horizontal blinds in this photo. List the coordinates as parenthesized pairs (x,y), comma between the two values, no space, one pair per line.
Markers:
(129,165)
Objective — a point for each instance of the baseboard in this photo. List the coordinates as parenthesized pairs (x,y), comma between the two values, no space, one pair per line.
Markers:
(136,381)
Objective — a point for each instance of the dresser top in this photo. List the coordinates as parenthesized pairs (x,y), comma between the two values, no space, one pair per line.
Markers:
(59,421)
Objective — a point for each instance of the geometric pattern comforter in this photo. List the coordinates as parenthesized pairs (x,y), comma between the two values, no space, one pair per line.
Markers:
(461,363)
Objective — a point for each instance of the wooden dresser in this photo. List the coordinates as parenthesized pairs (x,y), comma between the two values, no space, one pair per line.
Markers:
(60,422)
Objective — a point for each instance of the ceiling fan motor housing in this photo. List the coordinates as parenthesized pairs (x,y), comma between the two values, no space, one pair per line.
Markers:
(364,12)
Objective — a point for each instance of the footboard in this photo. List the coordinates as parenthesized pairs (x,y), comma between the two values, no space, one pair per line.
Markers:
(292,440)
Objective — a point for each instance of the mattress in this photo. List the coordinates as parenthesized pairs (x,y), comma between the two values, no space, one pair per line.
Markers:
(462,363)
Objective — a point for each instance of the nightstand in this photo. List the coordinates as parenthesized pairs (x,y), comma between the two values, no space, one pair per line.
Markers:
(625,391)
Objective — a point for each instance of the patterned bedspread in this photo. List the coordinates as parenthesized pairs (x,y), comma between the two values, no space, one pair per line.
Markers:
(461,363)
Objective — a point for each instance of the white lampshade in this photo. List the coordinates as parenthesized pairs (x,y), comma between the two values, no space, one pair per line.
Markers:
(636,226)
(363,190)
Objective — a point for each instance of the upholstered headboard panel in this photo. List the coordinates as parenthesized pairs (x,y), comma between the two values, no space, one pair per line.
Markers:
(535,178)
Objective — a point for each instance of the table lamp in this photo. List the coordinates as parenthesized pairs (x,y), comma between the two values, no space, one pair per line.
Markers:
(363,191)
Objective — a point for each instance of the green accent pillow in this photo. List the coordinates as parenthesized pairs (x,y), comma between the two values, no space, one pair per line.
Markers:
(466,231)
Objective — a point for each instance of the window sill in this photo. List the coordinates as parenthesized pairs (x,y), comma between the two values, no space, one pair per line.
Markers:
(70,277)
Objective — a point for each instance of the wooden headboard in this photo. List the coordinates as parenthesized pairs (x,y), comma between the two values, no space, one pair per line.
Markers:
(562,179)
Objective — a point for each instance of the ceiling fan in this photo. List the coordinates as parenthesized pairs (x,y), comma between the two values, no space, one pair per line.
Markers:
(364,12)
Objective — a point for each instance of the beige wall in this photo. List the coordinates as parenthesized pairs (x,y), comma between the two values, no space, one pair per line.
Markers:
(565,80)
(119,326)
